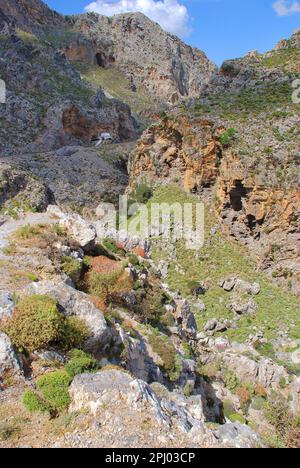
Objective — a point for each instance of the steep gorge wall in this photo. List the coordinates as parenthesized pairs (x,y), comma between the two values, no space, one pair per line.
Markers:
(264,217)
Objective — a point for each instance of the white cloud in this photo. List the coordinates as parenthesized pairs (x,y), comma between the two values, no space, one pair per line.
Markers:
(286,7)
(170,14)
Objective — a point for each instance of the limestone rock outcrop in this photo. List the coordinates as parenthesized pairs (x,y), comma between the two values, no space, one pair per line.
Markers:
(178,151)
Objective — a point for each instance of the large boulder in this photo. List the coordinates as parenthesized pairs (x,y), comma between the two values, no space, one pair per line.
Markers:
(237,435)
(111,387)
(73,302)
(19,189)
(9,364)
(264,372)
(240,286)
(80,230)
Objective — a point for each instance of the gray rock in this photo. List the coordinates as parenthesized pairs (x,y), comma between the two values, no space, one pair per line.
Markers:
(81,231)
(228,285)
(7,304)
(92,391)
(163,268)
(243,286)
(211,325)
(9,364)
(73,302)
(50,355)
(240,286)
(238,435)
(242,308)
(265,372)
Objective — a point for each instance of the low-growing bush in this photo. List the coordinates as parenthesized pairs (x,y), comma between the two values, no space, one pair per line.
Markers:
(172,363)
(80,363)
(54,389)
(227,137)
(231,381)
(34,403)
(112,246)
(236,417)
(72,267)
(142,194)
(73,333)
(36,323)
(108,286)
(287,427)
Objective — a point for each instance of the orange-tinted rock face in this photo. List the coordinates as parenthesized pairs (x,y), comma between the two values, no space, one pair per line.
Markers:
(177,151)
(79,126)
(265,217)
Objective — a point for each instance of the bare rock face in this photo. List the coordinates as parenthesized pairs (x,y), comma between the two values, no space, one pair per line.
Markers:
(51,106)
(162,63)
(109,386)
(9,364)
(259,209)
(177,151)
(265,372)
(19,188)
(80,230)
(7,305)
(29,13)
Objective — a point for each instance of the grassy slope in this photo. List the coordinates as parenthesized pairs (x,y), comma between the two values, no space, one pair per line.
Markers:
(115,83)
(222,257)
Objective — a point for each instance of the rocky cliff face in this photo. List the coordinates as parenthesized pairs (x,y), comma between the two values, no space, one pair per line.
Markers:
(27,14)
(51,106)
(261,212)
(161,63)
(178,151)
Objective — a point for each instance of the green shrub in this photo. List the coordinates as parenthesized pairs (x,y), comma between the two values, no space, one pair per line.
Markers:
(208,371)
(111,246)
(134,260)
(231,381)
(142,194)
(228,409)
(258,403)
(163,346)
(80,363)
(73,333)
(107,286)
(54,389)
(36,323)
(236,417)
(34,403)
(72,267)
(227,137)
(266,349)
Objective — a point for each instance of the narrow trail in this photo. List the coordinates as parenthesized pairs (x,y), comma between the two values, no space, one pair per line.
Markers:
(7,228)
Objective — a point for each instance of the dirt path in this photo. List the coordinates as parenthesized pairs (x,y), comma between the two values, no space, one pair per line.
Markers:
(7,228)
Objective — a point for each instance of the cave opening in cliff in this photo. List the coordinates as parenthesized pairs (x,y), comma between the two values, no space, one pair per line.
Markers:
(100,60)
(237,194)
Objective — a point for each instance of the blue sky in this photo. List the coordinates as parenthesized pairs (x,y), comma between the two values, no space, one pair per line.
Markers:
(222,28)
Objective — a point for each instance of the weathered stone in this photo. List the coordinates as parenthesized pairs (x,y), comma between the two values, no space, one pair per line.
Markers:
(7,305)
(73,302)
(265,372)
(211,325)
(238,435)
(242,308)
(9,363)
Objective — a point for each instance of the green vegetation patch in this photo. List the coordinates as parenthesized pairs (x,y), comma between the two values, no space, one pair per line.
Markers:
(116,84)
(220,258)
